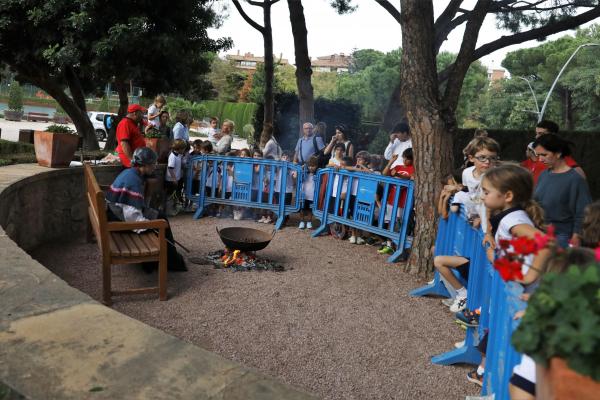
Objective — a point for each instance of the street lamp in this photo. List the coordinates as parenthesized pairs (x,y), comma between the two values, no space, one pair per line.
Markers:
(541,114)
(537,107)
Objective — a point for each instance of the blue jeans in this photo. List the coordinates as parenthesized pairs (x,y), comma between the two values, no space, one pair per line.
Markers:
(562,238)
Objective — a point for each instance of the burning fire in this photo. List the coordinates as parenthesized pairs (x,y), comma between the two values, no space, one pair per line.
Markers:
(235,257)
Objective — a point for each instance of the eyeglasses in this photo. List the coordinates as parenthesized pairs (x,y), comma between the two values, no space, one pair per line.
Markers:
(487,159)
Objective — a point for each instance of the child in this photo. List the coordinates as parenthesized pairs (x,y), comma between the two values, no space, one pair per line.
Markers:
(308,188)
(213,130)
(173,181)
(532,163)
(362,161)
(289,186)
(154,111)
(590,227)
(196,167)
(483,153)
(238,212)
(338,154)
(406,170)
(507,191)
(452,183)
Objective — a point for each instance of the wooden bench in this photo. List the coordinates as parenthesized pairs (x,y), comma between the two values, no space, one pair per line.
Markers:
(36,116)
(120,245)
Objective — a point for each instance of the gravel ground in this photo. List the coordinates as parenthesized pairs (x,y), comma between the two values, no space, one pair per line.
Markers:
(338,322)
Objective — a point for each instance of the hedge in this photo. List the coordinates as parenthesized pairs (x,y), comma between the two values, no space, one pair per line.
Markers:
(9,147)
(241,114)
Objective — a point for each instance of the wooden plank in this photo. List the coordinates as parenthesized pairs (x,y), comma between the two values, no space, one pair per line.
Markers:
(128,238)
(153,289)
(117,245)
(151,241)
(140,244)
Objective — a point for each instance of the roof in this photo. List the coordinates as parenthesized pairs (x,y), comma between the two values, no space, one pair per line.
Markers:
(333,60)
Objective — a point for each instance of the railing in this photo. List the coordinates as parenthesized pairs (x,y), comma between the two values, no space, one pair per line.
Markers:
(499,301)
(245,182)
(349,198)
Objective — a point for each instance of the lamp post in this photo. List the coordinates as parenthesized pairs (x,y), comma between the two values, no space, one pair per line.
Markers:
(537,106)
(541,113)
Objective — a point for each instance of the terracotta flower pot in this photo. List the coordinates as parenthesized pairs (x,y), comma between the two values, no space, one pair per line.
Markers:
(162,147)
(559,382)
(55,149)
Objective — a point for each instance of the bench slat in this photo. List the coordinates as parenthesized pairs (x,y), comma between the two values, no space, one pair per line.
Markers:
(118,246)
(132,242)
(147,245)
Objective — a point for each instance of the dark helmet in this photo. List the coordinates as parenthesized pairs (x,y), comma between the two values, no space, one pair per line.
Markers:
(144,156)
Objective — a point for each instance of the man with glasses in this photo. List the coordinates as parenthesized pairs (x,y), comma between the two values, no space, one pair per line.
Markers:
(308,145)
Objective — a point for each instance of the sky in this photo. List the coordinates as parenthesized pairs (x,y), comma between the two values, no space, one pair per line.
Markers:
(370,26)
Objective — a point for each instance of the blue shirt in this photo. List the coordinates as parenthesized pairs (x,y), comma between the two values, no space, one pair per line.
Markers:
(181,131)
(305,148)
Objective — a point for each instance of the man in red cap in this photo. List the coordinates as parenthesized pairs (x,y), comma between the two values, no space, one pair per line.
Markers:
(129,136)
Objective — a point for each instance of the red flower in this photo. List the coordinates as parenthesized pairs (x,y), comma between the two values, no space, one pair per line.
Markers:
(541,241)
(597,251)
(509,270)
(550,231)
(504,244)
(524,246)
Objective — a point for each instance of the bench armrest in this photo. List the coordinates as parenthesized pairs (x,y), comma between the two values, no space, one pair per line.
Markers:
(129,226)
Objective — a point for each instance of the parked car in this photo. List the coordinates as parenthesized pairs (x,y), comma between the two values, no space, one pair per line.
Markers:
(98,119)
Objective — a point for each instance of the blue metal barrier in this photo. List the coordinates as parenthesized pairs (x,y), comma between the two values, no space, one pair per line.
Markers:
(499,301)
(244,182)
(360,210)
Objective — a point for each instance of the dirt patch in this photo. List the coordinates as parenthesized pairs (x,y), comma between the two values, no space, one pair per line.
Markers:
(338,322)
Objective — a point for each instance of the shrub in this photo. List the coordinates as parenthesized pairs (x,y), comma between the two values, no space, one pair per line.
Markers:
(8,147)
(60,129)
(15,97)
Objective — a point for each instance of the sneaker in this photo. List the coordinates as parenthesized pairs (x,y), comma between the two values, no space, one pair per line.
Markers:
(448,302)
(371,241)
(385,250)
(460,344)
(360,240)
(352,239)
(301,225)
(460,303)
(468,318)
(237,215)
(262,219)
(268,220)
(431,282)
(475,378)
(309,225)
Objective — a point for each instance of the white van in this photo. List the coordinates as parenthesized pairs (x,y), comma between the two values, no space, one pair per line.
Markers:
(97,119)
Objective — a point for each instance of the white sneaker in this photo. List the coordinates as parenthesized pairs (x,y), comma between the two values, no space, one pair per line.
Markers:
(352,239)
(431,281)
(268,220)
(460,303)
(448,302)
(460,344)
(262,219)
(309,225)
(237,215)
(301,225)
(360,240)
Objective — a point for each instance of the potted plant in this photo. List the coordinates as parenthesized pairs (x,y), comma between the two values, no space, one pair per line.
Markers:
(55,146)
(60,116)
(15,103)
(160,144)
(560,331)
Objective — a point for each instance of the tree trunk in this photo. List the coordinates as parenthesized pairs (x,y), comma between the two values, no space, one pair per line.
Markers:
(82,123)
(432,142)
(306,112)
(111,140)
(80,119)
(395,112)
(269,105)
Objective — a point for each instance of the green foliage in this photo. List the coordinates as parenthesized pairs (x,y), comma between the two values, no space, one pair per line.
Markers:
(284,81)
(104,105)
(176,104)
(153,133)
(241,114)
(371,85)
(15,97)
(226,80)
(325,84)
(54,128)
(9,147)
(562,320)
(379,143)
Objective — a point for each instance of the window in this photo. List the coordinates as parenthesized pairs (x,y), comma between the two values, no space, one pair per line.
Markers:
(100,117)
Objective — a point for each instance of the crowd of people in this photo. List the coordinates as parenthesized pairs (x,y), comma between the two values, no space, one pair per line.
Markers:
(508,201)
(504,199)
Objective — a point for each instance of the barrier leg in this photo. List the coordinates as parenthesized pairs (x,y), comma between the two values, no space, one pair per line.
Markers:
(279,221)
(437,288)
(394,257)
(467,354)
(319,231)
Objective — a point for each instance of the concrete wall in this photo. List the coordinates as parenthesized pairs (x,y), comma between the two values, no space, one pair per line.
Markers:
(58,343)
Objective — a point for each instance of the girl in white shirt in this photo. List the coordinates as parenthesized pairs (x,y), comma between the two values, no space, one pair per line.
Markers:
(507,191)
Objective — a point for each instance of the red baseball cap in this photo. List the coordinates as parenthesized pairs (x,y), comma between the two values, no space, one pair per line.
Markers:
(135,107)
